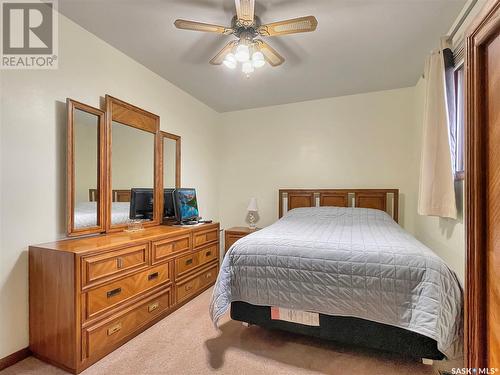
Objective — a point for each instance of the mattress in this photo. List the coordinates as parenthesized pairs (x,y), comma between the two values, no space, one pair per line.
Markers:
(345,262)
(86,214)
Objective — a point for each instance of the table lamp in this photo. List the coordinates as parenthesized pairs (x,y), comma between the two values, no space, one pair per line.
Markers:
(252,212)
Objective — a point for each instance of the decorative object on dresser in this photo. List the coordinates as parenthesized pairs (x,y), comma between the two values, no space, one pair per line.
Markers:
(252,212)
(233,234)
(90,295)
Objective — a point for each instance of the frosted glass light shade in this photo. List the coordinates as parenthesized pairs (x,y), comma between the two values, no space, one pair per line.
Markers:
(242,53)
(258,60)
(230,61)
(247,67)
(252,205)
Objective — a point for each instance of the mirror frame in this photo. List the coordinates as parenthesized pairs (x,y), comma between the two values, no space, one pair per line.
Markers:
(130,115)
(71,106)
(177,140)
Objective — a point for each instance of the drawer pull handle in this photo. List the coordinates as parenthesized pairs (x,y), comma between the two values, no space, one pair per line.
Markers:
(153,306)
(114,292)
(208,275)
(153,276)
(189,261)
(119,263)
(114,329)
(188,287)
(208,253)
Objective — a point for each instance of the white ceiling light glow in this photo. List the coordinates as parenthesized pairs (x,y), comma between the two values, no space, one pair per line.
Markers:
(258,60)
(242,53)
(247,68)
(248,55)
(230,61)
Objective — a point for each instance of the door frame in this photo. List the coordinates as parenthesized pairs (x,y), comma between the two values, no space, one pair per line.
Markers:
(485,25)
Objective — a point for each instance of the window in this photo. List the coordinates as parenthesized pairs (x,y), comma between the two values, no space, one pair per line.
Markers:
(459,122)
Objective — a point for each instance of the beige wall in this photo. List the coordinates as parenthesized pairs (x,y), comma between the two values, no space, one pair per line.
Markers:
(358,141)
(33,151)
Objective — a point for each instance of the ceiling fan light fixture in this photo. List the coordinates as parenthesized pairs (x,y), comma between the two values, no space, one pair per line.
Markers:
(247,67)
(258,60)
(230,61)
(247,49)
(242,53)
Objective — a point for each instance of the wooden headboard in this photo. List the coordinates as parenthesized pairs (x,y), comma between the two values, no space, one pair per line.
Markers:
(382,199)
(116,196)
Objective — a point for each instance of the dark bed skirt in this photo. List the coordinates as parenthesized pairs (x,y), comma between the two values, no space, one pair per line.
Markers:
(346,330)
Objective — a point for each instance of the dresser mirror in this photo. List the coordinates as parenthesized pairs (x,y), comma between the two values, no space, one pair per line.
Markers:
(84,169)
(132,172)
(133,163)
(118,162)
(171,160)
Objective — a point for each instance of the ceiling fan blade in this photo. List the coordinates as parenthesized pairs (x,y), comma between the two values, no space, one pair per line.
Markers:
(270,54)
(296,25)
(199,26)
(219,58)
(245,10)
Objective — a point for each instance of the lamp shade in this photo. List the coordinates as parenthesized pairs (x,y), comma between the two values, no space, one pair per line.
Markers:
(252,205)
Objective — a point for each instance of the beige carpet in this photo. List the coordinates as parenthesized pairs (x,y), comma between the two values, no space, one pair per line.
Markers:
(186,342)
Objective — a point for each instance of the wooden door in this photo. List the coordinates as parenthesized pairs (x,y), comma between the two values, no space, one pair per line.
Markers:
(483,190)
(493,246)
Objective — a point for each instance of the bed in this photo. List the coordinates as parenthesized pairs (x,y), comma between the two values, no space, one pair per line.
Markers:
(340,255)
(86,213)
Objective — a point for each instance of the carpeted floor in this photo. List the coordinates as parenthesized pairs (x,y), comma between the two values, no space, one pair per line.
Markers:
(186,342)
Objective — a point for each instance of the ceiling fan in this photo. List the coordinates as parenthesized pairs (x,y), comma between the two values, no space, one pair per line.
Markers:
(248,49)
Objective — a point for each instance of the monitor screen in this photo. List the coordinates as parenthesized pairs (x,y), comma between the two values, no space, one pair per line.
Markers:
(141,204)
(186,205)
(168,203)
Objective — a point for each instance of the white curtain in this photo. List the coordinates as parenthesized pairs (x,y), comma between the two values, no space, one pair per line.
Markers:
(436,191)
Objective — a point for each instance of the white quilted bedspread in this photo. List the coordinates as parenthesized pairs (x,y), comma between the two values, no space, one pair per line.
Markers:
(349,262)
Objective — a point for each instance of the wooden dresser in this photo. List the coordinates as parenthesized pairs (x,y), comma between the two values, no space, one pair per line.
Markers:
(90,295)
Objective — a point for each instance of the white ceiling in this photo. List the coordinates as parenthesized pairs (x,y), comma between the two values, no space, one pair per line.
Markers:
(359,46)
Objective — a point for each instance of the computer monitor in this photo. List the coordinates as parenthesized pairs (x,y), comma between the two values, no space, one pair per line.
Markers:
(168,203)
(141,204)
(186,206)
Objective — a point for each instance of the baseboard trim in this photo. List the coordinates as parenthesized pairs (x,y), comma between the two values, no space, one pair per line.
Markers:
(14,358)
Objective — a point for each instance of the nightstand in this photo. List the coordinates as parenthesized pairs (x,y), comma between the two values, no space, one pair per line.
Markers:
(234,234)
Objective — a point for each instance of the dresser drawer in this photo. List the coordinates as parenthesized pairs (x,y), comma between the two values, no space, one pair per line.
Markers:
(164,249)
(108,296)
(186,289)
(103,337)
(189,262)
(115,263)
(204,237)
(230,239)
